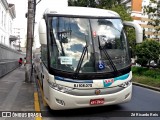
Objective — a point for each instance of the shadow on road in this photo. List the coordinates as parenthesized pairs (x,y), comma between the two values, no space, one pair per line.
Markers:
(84,112)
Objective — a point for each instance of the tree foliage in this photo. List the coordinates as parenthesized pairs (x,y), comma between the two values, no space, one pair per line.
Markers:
(147,51)
(82,3)
(105,4)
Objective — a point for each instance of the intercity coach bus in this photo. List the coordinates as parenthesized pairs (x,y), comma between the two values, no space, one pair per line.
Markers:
(85,58)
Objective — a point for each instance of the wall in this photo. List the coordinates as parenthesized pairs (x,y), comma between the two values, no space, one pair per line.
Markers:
(8,59)
(137,5)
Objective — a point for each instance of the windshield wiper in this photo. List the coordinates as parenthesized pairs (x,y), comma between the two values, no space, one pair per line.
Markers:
(85,49)
(108,57)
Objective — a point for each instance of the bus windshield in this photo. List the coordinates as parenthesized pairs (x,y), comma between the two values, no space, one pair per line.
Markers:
(87,45)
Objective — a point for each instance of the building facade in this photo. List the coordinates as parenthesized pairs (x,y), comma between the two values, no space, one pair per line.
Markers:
(7,14)
(20,33)
(138,15)
(8,54)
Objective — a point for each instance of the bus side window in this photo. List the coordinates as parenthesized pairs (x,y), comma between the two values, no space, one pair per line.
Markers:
(44,55)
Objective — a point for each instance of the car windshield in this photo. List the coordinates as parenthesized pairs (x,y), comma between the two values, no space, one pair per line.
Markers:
(87,45)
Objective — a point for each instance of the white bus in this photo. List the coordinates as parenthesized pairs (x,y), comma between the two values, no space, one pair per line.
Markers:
(85,58)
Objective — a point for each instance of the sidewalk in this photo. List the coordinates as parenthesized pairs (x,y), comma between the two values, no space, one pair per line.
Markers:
(15,94)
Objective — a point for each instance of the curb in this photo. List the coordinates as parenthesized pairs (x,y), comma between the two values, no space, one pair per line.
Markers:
(36,98)
(146,86)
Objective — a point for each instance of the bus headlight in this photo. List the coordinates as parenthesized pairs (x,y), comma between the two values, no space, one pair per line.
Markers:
(125,84)
(60,88)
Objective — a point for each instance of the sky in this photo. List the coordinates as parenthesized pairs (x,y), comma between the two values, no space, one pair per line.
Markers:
(21,7)
(20,21)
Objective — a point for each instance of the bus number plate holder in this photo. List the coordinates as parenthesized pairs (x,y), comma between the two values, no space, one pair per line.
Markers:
(97,101)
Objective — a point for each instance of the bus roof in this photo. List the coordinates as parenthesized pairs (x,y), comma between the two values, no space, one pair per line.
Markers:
(82,11)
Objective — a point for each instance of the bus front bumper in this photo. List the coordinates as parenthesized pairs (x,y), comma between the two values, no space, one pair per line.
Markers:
(60,101)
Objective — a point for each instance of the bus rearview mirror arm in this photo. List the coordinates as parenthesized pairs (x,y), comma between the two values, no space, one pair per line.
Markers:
(42,32)
(138,29)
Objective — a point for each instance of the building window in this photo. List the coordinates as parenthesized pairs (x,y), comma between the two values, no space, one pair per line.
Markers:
(2,39)
(2,19)
(10,27)
(0,13)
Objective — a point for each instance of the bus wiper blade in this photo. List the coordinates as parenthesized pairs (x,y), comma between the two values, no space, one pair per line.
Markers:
(85,49)
(108,57)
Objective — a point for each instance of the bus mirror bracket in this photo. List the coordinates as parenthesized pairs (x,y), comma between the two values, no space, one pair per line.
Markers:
(42,32)
(138,29)
(64,40)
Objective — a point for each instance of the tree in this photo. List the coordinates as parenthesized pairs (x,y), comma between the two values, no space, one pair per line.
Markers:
(153,12)
(147,51)
(94,3)
(82,3)
(121,10)
(107,4)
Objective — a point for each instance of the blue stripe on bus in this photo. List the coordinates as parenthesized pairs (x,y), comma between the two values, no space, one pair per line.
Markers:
(108,82)
(123,77)
(72,80)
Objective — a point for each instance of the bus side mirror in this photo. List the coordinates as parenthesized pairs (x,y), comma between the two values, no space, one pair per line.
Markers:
(64,40)
(42,32)
(138,29)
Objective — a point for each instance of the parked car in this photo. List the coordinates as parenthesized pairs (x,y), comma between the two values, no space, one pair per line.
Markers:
(152,64)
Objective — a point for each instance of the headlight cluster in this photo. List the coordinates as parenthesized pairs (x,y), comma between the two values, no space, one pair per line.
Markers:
(125,84)
(60,88)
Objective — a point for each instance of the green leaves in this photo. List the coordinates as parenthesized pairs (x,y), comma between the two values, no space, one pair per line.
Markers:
(104,4)
(83,3)
(147,51)
(121,10)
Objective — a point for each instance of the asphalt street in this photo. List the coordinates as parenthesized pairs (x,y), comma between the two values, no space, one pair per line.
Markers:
(144,101)
(16,95)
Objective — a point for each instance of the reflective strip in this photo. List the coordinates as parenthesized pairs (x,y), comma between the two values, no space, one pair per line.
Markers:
(72,80)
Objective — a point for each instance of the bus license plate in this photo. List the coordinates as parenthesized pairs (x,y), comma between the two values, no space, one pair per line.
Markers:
(96,101)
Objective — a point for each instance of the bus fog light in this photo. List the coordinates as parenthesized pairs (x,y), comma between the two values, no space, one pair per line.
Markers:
(61,102)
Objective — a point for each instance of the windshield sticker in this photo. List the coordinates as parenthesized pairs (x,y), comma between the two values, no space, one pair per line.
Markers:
(65,60)
(101,65)
(108,82)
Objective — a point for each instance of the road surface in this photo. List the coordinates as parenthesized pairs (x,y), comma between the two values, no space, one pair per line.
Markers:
(145,102)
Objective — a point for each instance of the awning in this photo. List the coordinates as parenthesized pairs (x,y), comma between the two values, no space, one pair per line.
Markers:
(12,38)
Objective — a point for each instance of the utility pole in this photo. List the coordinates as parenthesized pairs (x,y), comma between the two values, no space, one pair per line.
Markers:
(30,33)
